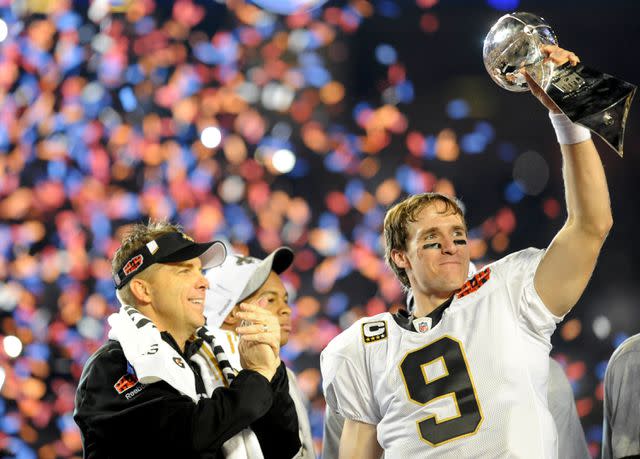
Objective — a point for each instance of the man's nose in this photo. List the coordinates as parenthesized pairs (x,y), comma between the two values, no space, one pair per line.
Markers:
(285,310)
(449,246)
(203,282)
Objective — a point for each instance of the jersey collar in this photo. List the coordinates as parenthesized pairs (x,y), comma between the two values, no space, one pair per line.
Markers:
(405,319)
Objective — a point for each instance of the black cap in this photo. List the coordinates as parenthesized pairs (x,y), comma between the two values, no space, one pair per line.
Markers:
(169,248)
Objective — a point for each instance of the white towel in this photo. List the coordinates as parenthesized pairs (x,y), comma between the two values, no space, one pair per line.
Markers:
(153,359)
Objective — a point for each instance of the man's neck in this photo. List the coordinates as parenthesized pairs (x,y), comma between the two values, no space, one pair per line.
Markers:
(424,303)
(180,338)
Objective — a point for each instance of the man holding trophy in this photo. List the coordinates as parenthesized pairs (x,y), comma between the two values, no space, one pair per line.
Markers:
(465,373)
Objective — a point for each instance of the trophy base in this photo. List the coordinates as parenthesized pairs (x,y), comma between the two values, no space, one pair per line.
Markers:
(593,99)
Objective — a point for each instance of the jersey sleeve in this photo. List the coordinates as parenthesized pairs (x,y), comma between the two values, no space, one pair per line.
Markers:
(621,437)
(346,380)
(518,271)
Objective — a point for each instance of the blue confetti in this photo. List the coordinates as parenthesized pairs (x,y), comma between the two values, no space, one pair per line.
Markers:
(301,168)
(619,338)
(207,53)
(507,152)
(336,304)
(594,434)
(458,109)
(56,170)
(385,54)
(504,5)
(328,221)
(405,92)
(9,425)
(600,369)
(473,143)
(514,192)
(388,8)
(128,99)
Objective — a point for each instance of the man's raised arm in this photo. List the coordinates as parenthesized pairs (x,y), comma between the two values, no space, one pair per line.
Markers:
(569,261)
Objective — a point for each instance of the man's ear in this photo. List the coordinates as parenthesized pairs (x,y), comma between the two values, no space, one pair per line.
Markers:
(140,290)
(399,257)
(231,319)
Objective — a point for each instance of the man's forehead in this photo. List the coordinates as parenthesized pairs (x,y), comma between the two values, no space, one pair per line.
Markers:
(438,212)
(190,263)
(273,283)
(433,218)
(274,279)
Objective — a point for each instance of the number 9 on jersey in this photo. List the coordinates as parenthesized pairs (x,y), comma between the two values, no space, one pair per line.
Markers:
(436,376)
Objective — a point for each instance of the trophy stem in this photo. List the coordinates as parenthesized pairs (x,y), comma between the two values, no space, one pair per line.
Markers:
(595,100)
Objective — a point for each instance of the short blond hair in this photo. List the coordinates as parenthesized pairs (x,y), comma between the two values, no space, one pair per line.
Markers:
(136,237)
(396,225)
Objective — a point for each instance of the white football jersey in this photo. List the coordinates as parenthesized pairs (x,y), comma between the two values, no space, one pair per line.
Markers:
(474,385)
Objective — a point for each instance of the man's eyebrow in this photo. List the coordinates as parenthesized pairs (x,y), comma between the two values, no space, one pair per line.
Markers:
(274,292)
(425,231)
(185,263)
(434,229)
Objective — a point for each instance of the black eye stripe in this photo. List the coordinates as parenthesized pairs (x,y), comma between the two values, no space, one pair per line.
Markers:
(437,245)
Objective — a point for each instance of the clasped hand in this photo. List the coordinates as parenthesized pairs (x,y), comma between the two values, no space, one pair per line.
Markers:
(259,346)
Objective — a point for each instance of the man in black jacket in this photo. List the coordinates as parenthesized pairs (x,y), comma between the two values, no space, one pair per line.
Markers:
(158,270)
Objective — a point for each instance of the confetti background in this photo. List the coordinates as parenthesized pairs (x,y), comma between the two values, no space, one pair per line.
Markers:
(267,130)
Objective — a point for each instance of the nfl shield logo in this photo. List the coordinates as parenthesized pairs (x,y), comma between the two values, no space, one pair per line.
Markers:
(422,324)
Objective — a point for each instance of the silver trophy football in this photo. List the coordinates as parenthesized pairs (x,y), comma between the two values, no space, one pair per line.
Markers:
(588,97)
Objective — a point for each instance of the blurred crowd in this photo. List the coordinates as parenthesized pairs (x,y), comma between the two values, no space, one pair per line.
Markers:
(236,123)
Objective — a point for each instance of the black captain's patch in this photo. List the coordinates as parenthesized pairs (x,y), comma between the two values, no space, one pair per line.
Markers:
(374,331)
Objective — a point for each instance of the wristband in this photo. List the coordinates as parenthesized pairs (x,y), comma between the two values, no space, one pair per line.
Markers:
(567,131)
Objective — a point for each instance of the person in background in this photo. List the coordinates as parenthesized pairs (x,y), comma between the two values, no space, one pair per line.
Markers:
(244,279)
(621,433)
(572,443)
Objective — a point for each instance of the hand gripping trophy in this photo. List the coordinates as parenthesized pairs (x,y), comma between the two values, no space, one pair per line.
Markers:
(594,99)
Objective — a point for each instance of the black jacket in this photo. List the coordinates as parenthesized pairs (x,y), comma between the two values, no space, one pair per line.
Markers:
(119,417)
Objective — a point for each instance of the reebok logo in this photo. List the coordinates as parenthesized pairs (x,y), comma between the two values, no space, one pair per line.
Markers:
(135,391)
(125,383)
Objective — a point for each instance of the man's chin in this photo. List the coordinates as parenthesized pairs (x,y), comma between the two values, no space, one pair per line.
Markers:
(200,322)
(453,286)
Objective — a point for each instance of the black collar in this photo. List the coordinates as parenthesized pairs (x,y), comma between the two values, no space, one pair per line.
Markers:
(405,319)
(190,347)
